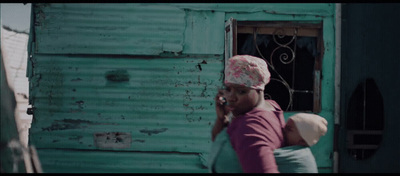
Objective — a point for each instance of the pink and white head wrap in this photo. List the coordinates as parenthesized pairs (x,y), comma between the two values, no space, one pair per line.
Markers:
(248,71)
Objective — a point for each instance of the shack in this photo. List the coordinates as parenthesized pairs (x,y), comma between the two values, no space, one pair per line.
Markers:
(130,87)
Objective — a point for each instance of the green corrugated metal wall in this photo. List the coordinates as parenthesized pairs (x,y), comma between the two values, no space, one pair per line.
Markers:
(148,72)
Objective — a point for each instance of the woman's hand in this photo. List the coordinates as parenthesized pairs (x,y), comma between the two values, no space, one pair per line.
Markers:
(222,111)
(221,108)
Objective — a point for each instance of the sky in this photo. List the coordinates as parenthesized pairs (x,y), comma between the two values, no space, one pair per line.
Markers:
(16,16)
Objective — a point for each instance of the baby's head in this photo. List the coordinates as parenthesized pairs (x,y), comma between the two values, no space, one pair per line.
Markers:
(304,129)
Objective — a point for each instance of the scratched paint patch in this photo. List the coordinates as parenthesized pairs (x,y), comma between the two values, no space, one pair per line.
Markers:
(112,140)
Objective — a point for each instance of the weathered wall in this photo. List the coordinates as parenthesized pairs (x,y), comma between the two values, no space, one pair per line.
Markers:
(130,87)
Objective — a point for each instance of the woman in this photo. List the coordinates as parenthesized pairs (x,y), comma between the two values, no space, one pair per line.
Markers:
(254,125)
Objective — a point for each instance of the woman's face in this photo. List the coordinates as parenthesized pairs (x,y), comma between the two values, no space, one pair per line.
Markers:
(241,99)
(292,134)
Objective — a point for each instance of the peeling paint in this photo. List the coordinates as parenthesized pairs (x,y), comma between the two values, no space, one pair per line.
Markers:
(199,67)
(112,140)
(153,131)
(75,137)
(80,104)
(76,79)
(119,75)
(139,140)
(66,124)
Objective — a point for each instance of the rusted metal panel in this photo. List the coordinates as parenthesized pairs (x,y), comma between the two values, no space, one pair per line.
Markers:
(112,28)
(166,101)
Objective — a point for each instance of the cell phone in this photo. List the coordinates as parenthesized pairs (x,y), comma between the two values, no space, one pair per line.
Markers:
(223,100)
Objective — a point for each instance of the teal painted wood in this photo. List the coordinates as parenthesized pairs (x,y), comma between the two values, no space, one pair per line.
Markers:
(323,150)
(89,76)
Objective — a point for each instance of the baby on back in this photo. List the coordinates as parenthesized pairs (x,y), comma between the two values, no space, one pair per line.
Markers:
(302,130)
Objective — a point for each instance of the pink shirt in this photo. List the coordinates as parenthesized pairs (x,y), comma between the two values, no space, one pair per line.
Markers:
(254,137)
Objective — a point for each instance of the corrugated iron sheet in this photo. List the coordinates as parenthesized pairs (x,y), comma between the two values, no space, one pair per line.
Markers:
(110,28)
(204,31)
(166,105)
(146,29)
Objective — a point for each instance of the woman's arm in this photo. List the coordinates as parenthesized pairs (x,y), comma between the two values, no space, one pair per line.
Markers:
(218,126)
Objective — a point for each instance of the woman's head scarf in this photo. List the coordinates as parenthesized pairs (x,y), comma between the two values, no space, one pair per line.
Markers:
(248,71)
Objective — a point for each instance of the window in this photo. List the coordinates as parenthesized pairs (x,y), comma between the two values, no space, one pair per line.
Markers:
(293,52)
(365,119)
